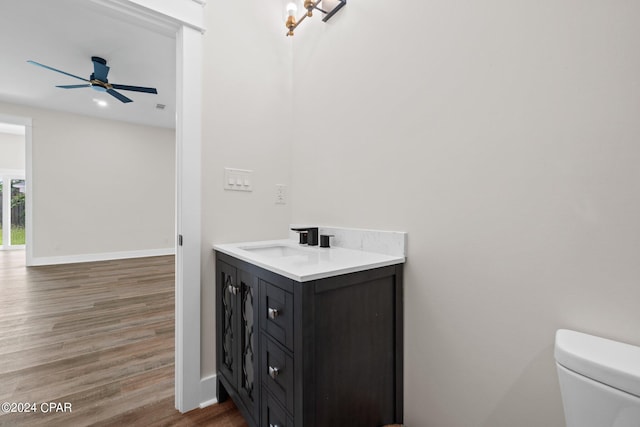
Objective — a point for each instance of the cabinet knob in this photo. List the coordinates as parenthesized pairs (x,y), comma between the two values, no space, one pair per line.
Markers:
(273,372)
(233,290)
(273,313)
(274,425)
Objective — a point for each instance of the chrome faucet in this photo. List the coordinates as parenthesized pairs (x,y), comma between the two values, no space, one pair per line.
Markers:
(308,235)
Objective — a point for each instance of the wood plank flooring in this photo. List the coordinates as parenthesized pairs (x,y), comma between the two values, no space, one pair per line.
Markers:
(99,336)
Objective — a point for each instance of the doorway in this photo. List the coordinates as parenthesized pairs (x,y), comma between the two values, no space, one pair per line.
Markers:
(184,21)
(13,218)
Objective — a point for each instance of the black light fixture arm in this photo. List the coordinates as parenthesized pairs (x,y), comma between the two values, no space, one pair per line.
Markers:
(339,6)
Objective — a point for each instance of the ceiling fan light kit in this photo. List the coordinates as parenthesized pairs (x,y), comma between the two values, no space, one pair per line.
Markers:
(98,80)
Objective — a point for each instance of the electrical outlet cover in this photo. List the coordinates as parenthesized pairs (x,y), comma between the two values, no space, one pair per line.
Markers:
(281,194)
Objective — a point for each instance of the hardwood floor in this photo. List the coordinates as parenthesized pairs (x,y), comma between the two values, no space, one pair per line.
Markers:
(98,336)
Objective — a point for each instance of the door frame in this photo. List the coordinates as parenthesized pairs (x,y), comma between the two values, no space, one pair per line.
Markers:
(27,123)
(184,20)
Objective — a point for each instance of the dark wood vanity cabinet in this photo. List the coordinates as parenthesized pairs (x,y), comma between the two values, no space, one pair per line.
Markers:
(320,353)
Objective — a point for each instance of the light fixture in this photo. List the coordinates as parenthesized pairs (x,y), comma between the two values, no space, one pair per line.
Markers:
(100,102)
(331,6)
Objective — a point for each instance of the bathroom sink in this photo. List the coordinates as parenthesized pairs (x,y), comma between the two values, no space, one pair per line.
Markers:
(276,251)
(304,263)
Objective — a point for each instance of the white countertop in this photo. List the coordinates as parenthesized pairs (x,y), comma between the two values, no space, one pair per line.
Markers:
(307,263)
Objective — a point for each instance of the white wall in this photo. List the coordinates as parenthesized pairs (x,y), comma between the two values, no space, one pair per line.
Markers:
(247,125)
(99,186)
(12,148)
(503,136)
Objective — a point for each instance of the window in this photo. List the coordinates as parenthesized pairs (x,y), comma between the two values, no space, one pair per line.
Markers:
(12,212)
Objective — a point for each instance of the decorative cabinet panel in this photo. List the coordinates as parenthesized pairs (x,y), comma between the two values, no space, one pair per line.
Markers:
(321,353)
(237,341)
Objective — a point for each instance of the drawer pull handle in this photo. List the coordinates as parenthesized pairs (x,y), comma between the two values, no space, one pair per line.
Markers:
(273,372)
(233,290)
(273,313)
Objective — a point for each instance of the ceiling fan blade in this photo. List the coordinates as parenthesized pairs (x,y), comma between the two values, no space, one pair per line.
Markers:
(53,69)
(120,96)
(73,86)
(100,69)
(135,88)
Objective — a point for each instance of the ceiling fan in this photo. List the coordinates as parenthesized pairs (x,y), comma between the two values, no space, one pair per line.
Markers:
(98,80)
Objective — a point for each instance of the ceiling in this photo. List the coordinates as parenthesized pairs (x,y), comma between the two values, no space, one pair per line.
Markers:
(65,34)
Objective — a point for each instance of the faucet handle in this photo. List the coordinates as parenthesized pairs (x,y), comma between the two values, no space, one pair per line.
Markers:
(324,240)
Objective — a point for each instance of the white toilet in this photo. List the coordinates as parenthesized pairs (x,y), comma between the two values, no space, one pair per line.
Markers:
(599,380)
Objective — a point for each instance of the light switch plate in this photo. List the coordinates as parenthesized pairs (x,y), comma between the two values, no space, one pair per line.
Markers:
(238,179)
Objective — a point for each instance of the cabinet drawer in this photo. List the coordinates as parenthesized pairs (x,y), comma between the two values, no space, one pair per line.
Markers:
(273,415)
(277,372)
(276,311)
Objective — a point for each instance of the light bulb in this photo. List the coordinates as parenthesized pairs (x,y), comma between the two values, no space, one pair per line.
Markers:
(292,9)
(100,102)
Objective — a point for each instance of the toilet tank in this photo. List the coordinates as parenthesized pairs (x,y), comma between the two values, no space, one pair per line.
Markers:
(599,380)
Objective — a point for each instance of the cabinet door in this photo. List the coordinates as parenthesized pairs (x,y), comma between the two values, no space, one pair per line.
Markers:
(277,313)
(228,323)
(249,378)
(277,372)
(273,415)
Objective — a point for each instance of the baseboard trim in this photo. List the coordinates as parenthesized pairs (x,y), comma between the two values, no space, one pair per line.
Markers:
(208,393)
(13,248)
(106,256)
